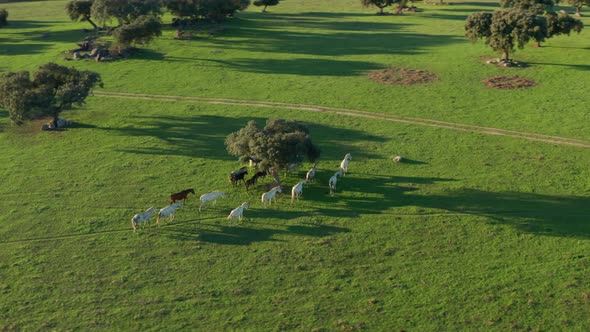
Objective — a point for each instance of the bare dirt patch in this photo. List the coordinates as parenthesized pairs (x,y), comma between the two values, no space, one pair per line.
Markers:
(509,82)
(402,76)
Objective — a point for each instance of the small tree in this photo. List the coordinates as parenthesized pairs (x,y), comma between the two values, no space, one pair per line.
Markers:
(278,144)
(265,3)
(3,17)
(578,5)
(52,89)
(142,31)
(79,10)
(381,4)
(501,30)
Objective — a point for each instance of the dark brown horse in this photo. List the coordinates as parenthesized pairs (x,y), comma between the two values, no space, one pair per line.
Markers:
(238,175)
(181,196)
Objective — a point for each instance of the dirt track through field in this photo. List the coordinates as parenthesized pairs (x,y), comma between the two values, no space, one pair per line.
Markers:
(356,113)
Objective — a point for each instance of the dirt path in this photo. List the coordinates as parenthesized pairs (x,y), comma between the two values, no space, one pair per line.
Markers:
(356,113)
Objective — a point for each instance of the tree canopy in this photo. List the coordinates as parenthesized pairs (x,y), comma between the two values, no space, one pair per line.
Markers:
(381,4)
(80,10)
(278,144)
(505,30)
(3,17)
(265,3)
(538,6)
(52,89)
(205,9)
(141,31)
(124,11)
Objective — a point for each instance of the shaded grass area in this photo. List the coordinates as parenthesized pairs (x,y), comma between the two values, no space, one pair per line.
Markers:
(473,232)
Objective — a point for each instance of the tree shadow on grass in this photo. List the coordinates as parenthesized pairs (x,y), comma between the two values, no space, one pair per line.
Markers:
(299,35)
(71,36)
(577,67)
(22,49)
(246,234)
(204,135)
(28,24)
(362,194)
(528,212)
(300,66)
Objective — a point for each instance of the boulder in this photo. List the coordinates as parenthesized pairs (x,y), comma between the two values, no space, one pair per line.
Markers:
(76,56)
(94,52)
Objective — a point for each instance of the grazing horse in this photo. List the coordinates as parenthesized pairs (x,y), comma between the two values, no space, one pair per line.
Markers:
(297,190)
(338,173)
(237,212)
(181,196)
(332,183)
(311,173)
(260,174)
(344,163)
(269,195)
(142,217)
(168,212)
(212,196)
(250,182)
(238,175)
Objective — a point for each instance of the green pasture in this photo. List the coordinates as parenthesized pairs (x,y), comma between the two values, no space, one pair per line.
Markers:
(483,233)
(318,52)
(472,232)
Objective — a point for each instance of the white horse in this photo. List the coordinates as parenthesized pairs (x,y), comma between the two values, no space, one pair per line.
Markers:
(168,212)
(311,173)
(297,190)
(237,212)
(269,195)
(212,196)
(344,163)
(142,217)
(332,183)
(338,173)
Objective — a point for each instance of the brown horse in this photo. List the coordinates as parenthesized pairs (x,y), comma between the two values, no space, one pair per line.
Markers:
(181,196)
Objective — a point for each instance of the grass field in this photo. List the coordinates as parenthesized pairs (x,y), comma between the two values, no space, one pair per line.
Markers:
(473,232)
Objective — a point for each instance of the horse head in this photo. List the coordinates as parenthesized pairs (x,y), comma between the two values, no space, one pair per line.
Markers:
(245,205)
(348,156)
(191,191)
(179,204)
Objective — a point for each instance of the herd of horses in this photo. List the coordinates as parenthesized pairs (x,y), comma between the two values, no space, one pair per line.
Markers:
(177,200)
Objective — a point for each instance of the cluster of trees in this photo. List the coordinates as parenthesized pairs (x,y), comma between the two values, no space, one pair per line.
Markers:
(526,20)
(3,17)
(52,89)
(278,144)
(138,21)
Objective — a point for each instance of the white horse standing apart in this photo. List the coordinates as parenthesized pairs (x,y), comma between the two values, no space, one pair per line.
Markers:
(344,163)
(237,212)
(168,212)
(269,195)
(311,173)
(142,217)
(297,190)
(332,182)
(212,196)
